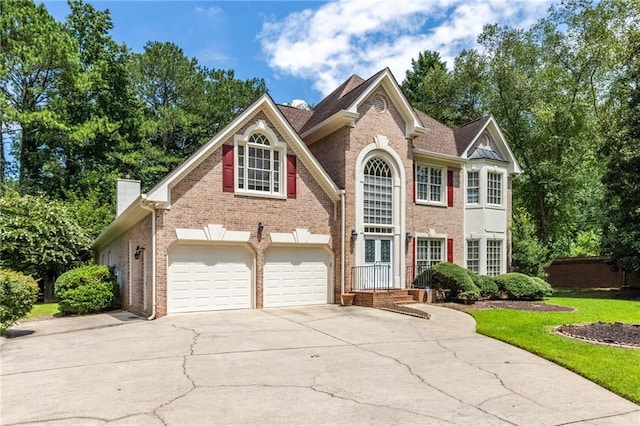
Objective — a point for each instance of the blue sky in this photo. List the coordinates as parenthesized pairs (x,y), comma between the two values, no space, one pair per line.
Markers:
(303,49)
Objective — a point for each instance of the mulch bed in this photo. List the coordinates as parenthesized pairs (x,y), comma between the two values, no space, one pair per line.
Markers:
(619,334)
(507,304)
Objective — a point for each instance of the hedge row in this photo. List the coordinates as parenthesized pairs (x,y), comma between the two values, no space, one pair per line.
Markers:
(460,284)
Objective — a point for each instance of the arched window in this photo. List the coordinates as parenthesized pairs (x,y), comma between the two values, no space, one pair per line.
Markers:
(259,165)
(378,196)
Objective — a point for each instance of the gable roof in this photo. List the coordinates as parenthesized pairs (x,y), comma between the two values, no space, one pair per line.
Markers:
(297,117)
(159,195)
(466,134)
(161,192)
(439,139)
(340,107)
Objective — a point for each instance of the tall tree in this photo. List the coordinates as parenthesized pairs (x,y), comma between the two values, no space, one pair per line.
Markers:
(36,56)
(622,207)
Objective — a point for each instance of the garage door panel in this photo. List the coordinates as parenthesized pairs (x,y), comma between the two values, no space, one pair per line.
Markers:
(294,277)
(209,278)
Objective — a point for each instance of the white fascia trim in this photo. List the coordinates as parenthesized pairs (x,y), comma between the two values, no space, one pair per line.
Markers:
(514,166)
(161,192)
(301,150)
(445,159)
(413,125)
(339,119)
(129,217)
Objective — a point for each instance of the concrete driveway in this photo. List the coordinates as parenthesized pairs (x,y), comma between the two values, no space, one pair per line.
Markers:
(312,365)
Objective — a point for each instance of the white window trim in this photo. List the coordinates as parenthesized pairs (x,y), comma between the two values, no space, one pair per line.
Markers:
(277,146)
(443,186)
(485,258)
(466,253)
(501,174)
(466,192)
(483,170)
(431,235)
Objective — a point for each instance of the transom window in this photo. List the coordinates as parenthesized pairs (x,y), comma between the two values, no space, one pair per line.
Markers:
(429,252)
(378,196)
(429,185)
(473,255)
(473,187)
(259,166)
(494,257)
(494,188)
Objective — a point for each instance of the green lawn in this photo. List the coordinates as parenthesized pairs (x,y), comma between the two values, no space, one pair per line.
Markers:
(617,369)
(44,310)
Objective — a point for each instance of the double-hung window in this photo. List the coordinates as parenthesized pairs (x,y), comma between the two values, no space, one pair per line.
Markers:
(473,187)
(494,188)
(430,184)
(494,257)
(473,255)
(259,167)
(429,252)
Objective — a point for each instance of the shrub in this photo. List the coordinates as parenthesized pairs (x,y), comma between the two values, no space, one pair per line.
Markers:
(90,288)
(456,281)
(487,286)
(545,287)
(520,287)
(18,293)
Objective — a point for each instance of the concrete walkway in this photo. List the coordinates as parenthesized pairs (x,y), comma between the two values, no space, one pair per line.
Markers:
(312,365)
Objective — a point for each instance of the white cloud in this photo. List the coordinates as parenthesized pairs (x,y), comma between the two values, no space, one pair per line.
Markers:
(328,44)
(208,11)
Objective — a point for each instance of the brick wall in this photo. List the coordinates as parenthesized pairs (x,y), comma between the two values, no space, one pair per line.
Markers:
(588,272)
(198,200)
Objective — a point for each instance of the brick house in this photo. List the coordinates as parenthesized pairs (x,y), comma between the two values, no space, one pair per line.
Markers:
(288,207)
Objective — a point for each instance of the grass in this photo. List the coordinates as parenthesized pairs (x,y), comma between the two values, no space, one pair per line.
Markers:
(41,310)
(614,368)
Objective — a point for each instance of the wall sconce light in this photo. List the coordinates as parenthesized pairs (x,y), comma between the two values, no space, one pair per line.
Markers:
(354,234)
(409,236)
(260,226)
(138,252)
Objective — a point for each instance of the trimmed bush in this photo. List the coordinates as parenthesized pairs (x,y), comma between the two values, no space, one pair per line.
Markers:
(90,288)
(456,281)
(18,293)
(520,287)
(545,287)
(487,286)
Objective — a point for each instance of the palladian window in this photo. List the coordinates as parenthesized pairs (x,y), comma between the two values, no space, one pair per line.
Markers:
(259,166)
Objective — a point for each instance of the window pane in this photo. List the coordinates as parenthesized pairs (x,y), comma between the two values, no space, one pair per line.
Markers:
(378,193)
(473,187)
(494,188)
(473,255)
(262,165)
(369,251)
(385,251)
(494,257)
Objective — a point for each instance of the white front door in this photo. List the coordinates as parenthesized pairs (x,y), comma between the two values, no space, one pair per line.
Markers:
(378,259)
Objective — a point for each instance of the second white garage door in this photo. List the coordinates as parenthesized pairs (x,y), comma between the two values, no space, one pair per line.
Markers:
(296,276)
(205,278)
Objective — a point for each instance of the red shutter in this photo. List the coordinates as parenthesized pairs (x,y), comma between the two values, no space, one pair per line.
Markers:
(450,188)
(227,168)
(450,250)
(291,176)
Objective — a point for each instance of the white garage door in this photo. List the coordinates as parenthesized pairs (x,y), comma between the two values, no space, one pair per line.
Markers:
(205,278)
(295,276)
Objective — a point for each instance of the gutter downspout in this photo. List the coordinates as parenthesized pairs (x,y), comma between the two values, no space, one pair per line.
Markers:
(152,209)
(342,230)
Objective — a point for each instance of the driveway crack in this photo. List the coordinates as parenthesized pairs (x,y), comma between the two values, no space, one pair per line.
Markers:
(190,379)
